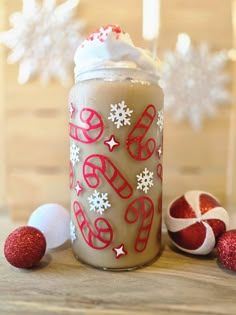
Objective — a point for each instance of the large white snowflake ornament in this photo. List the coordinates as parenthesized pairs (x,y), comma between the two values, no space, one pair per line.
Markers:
(145,180)
(194,81)
(98,202)
(74,154)
(120,114)
(43,39)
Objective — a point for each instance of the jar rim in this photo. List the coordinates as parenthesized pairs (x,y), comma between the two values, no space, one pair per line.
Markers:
(118,72)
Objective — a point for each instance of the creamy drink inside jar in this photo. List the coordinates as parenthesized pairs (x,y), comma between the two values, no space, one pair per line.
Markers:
(116,126)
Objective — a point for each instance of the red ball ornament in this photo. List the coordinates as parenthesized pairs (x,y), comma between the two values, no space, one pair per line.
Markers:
(25,247)
(226,249)
(194,221)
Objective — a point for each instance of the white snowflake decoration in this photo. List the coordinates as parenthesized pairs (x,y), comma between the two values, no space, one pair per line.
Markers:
(120,114)
(160,120)
(74,154)
(145,180)
(73,236)
(43,39)
(194,82)
(98,202)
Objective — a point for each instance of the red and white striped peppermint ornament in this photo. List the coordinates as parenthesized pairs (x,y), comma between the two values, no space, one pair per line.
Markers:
(195,220)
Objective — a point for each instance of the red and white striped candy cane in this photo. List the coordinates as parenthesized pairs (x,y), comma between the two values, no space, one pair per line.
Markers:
(136,146)
(93,129)
(141,209)
(99,235)
(97,163)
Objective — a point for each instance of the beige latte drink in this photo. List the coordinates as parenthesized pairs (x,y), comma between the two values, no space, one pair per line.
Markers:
(116,125)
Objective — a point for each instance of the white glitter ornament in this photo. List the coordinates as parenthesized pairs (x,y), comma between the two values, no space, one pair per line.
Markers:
(193,81)
(53,221)
(43,39)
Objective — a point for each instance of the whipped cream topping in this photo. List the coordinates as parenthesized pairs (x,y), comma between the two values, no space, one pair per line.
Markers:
(109,46)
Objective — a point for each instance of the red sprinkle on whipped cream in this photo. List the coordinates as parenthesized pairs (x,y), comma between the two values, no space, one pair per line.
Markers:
(102,33)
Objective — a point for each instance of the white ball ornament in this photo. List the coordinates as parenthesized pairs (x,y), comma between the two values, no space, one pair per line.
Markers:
(194,222)
(53,221)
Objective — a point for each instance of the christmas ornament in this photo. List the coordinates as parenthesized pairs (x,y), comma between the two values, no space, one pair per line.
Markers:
(195,221)
(53,221)
(43,39)
(193,81)
(226,249)
(25,247)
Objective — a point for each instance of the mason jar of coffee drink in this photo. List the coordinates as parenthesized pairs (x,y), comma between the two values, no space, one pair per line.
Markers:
(116,138)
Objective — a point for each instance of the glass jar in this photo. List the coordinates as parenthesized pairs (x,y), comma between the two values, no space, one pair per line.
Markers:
(116,128)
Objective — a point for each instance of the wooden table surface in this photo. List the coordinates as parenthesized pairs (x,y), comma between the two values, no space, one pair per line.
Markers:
(175,284)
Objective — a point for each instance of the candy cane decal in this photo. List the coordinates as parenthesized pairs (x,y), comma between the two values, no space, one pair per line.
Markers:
(93,130)
(97,163)
(141,208)
(159,171)
(71,181)
(98,236)
(137,148)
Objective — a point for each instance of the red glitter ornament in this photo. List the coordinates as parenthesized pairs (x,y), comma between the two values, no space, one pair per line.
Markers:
(195,221)
(226,249)
(25,247)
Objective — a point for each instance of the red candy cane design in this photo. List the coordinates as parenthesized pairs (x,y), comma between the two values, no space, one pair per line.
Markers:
(159,171)
(97,163)
(141,208)
(98,236)
(71,175)
(93,129)
(137,148)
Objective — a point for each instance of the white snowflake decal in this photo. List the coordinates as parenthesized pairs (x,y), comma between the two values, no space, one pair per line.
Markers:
(43,39)
(160,120)
(193,81)
(74,154)
(145,180)
(120,114)
(98,202)
(73,236)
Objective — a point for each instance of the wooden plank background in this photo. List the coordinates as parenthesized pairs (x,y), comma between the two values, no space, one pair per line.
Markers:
(2,118)
(36,141)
